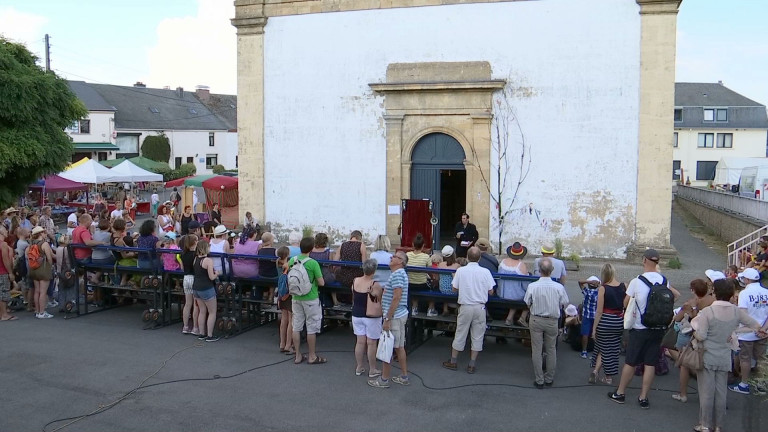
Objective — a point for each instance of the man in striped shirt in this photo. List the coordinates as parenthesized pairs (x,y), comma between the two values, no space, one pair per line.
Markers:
(544,298)
(394,304)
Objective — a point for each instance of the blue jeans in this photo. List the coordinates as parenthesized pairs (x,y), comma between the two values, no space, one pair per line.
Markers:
(207,294)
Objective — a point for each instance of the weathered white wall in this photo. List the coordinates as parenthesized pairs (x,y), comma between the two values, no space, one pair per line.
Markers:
(575,74)
(195,144)
(746,143)
(101,128)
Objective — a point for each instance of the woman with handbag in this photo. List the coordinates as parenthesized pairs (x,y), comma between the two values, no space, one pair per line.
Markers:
(366,317)
(713,328)
(701,299)
(43,273)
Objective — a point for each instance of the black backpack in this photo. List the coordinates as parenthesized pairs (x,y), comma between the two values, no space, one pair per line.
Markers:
(659,309)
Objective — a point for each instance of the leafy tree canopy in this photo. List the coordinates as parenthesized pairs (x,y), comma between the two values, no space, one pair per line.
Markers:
(157,148)
(35,108)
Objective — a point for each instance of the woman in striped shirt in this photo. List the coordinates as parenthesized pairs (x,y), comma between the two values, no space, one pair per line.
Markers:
(608,326)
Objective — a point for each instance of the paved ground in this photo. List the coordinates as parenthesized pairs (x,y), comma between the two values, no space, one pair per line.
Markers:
(54,369)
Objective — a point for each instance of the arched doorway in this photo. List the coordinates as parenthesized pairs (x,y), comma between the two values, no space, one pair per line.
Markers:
(437,173)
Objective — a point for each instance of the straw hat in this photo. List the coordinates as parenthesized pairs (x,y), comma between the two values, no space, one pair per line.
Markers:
(219,230)
(37,230)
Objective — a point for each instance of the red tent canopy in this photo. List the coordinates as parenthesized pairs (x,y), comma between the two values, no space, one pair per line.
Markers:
(54,183)
(176,183)
(220,183)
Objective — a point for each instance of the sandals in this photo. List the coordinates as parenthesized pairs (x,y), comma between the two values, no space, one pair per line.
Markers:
(606,380)
(592,377)
(11,318)
(303,357)
(318,360)
(679,397)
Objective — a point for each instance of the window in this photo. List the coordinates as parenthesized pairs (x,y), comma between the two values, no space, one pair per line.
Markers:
(211,141)
(722,115)
(705,170)
(190,159)
(80,127)
(211,160)
(725,140)
(674,143)
(102,156)
(709,114)
(129,145)
(678,114)
(177,162)
(706,140)
(154,110)
(675,170)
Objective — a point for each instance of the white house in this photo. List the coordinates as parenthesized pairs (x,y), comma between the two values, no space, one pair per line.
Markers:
(94,136)
(372,102)
(712,123)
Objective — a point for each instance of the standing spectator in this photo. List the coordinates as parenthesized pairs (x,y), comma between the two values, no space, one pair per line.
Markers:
(154,201)
(306,309)
(644,344)
(382,255)
(73,218)
(148,240)
(466,236)
(82,236)
(285,303)
(117,213)
(513,289)
(608,327)
(445,280)
(25,223)
(6,269)
(195,200)
(394,305)
(130,205)
(204,291)
(754,300)
(558,266)
(47,223)
(474,284)
(216,213)
(63,264)
(366,321)
(701,299)
(98,204)
(351,250)
(188,247)
(417,281)
(713,326)
(544,298)
(41,276)
(164,220)
(589,290)
(186,217)
(249,244)
(119,195)
(175,198)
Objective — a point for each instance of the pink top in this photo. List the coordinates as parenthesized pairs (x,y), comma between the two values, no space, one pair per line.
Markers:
(169,260)
(247,268)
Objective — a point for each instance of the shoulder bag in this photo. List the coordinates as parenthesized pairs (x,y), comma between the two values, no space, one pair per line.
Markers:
(630,315)
(373,305)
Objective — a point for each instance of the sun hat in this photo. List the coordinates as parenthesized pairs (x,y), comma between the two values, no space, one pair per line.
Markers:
(714,275)
(171,235)
(593,279)
(517,250)
(750,274)
(571,310)
(547,248)
(37,230)
(219,230)
(447,251)
(12,210)
(483,243)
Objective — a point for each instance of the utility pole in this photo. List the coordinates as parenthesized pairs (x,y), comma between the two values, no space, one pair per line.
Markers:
(47,53)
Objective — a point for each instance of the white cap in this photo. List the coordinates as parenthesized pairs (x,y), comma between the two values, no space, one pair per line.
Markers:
(593,279)
(714,275)
(750,274)
(447,251)
(571,310)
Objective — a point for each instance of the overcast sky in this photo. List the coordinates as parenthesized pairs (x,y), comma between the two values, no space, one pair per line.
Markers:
(190,42)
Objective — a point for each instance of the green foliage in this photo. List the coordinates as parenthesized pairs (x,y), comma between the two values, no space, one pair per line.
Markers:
(157,148)
(35,108)
(185,170)
(575,258)
(558,248)
(674,263)
(218,169)
(307,231)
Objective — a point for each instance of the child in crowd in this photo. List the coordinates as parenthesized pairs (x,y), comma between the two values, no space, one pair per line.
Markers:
(732,272)
(189,244)
(589,290)
(171,261)
(67,292)
(284,301)
(21,248)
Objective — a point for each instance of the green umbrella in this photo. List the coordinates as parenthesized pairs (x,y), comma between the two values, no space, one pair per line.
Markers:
(198,180)
(111,163)
(150,165)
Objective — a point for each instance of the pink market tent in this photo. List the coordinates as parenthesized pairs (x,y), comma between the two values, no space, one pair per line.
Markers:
(54,183)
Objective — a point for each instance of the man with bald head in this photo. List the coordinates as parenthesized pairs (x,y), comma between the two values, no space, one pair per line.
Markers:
(474,284)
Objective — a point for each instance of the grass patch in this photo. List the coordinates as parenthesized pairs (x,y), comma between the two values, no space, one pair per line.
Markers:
(675,264)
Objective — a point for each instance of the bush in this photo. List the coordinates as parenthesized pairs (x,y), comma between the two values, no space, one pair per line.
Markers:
(185,170)
(157,148)
(218,169)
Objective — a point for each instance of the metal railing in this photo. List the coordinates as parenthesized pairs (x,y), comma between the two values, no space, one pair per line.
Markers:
(741,251)
(726,202)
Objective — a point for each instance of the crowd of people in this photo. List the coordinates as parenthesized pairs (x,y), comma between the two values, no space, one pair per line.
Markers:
(727,315)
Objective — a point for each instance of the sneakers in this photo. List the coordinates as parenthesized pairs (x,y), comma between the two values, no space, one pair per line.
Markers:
(759,389)
(415,311)
(201,337)
(432,313)
(212,338)
(404,381)
(679,397)
(374,373)
(359,372)
(44,315)
(583,354)
(618,398)
(738,388)
(186,330)
(450,366)
(644,404)
(53,304)
(378,383)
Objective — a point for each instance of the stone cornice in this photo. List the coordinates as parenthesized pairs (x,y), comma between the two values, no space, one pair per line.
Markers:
(247,26)
(659,7)
(437,86)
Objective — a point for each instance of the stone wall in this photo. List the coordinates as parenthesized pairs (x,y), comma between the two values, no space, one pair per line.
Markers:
(728,226)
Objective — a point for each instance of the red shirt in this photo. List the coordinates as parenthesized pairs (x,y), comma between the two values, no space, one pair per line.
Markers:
(80,235)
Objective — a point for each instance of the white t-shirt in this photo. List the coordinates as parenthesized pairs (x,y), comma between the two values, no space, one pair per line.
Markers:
(473,283)
(154,199)
(754,299)
(639,290)
(71,218)
(116,214)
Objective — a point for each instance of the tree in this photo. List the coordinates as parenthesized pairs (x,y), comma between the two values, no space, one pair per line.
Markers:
(157,148)
(35,108)
(218,169)
(510,159)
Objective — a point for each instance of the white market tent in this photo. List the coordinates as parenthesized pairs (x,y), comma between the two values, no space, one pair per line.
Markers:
(94,173)
(136,173)
(728,170)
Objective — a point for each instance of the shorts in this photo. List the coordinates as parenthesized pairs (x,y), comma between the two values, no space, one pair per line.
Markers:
(206,294)
(5,288)
(309,312)
(189,280)
(368,327)
(586,326)
(397,327)
(752,350)
(644,347)
(286,305)
(418,287)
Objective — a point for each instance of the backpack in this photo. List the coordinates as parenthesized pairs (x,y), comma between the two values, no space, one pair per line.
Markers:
(20,269)
(659,309)
(35,256)
(298,278)
(282,286)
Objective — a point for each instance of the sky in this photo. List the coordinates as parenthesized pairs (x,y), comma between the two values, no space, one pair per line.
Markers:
(184,43)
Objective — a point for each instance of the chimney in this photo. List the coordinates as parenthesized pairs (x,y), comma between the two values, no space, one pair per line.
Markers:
(720,82)
(140,84)
(203,93)
(180,92)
